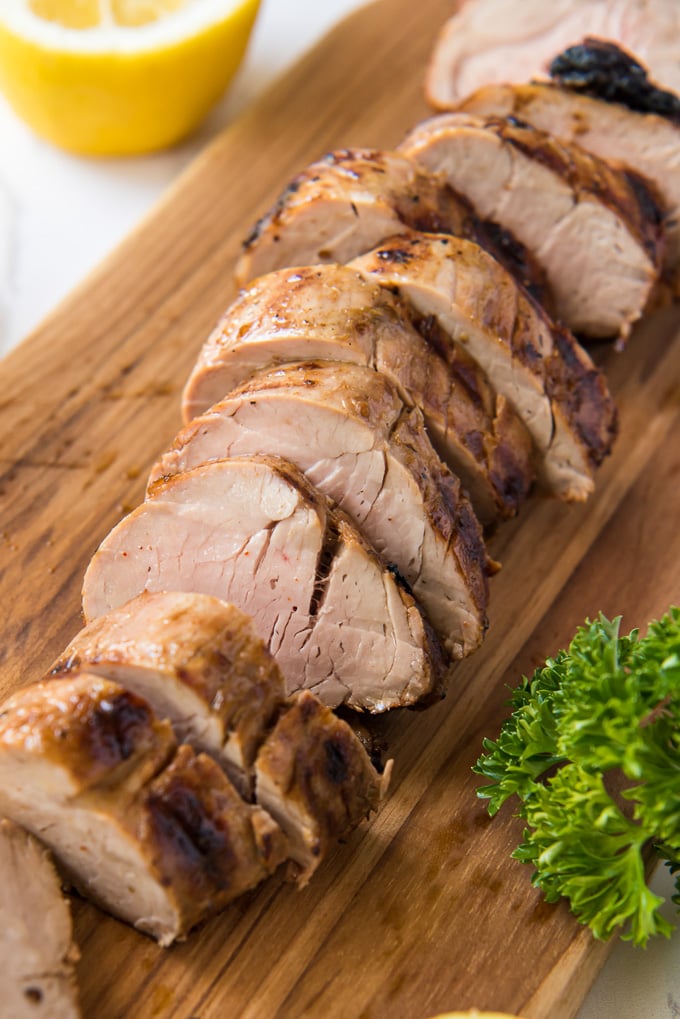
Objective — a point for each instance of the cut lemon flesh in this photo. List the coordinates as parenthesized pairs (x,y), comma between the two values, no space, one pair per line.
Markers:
(119,77)
(94,13)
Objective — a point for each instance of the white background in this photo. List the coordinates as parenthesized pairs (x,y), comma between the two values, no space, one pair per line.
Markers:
(59,215)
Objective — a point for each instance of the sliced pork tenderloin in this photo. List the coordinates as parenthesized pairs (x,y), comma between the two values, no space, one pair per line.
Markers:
(335,314)
(345,426)
(253,531)
(344,204)
(595,230)
(315,779)
(491,41)
(37,952)
(347,202)
(155,834)
(199,663)
(541,371)
(647,143)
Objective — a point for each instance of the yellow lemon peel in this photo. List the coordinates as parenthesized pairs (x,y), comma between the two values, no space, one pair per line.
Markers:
(119,77)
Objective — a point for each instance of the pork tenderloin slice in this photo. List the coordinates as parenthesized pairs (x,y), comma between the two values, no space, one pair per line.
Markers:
(82,733)
(647,143)
(546,377)
(595,231)
(255,532)
(333,313)
(37,952)
(198,661)
(315,779)
(162,845)
(347,202)
(492,41)
(346,427)
(344,204)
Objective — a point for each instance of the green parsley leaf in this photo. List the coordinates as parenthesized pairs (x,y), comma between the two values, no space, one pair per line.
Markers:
(592,751)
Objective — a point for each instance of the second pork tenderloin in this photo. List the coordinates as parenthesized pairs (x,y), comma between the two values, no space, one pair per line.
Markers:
(331,312)
(646,142)
(154,833)
(199,663)
(548,378)
(595,230)
(346,427)
(351,199)
(253,531)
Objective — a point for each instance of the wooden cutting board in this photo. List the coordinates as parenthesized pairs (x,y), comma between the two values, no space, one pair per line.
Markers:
(422,910)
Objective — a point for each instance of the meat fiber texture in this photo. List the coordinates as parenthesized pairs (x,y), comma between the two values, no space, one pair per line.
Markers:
(587,224)
(200,664)
(253,531)
(350,200)
(548,379)
(647,143)
(315,779)
(37,953)
(344,204)
(493,41)
(333,313)
(346,427)
(154,833)
(197,661)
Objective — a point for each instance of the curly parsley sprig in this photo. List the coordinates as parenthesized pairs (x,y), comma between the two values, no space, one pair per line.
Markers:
(592,750)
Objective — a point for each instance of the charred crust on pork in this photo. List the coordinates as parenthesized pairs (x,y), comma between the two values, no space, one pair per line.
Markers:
(184,827)
(515,257)
(626,193)
(603,70)
(582,389)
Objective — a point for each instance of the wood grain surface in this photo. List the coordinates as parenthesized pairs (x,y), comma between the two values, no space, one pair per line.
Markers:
(422,910)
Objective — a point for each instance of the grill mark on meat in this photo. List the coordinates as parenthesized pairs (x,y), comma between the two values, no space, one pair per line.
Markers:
(603,70)
(650,202)
(183,828)
(420,200)
(337,766)
(582,390)
(401,580)
(274,214)
(645,143)
(516,258)
(585,176)
(585,193)
(115,725)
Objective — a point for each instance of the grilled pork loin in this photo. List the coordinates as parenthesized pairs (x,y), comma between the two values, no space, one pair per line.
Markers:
(345,426)
(587,224)
(546,376)
(333,313)
(344,204)
(490,41)
(347,202)
(155,834)
(315,779)
(646,142)
(37,953)
(199,663)
(253,531)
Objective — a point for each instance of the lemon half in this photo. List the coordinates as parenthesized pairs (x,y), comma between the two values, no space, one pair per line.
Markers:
(119,77)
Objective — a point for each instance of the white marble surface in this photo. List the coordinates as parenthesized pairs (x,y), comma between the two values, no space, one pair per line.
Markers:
(59,215)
